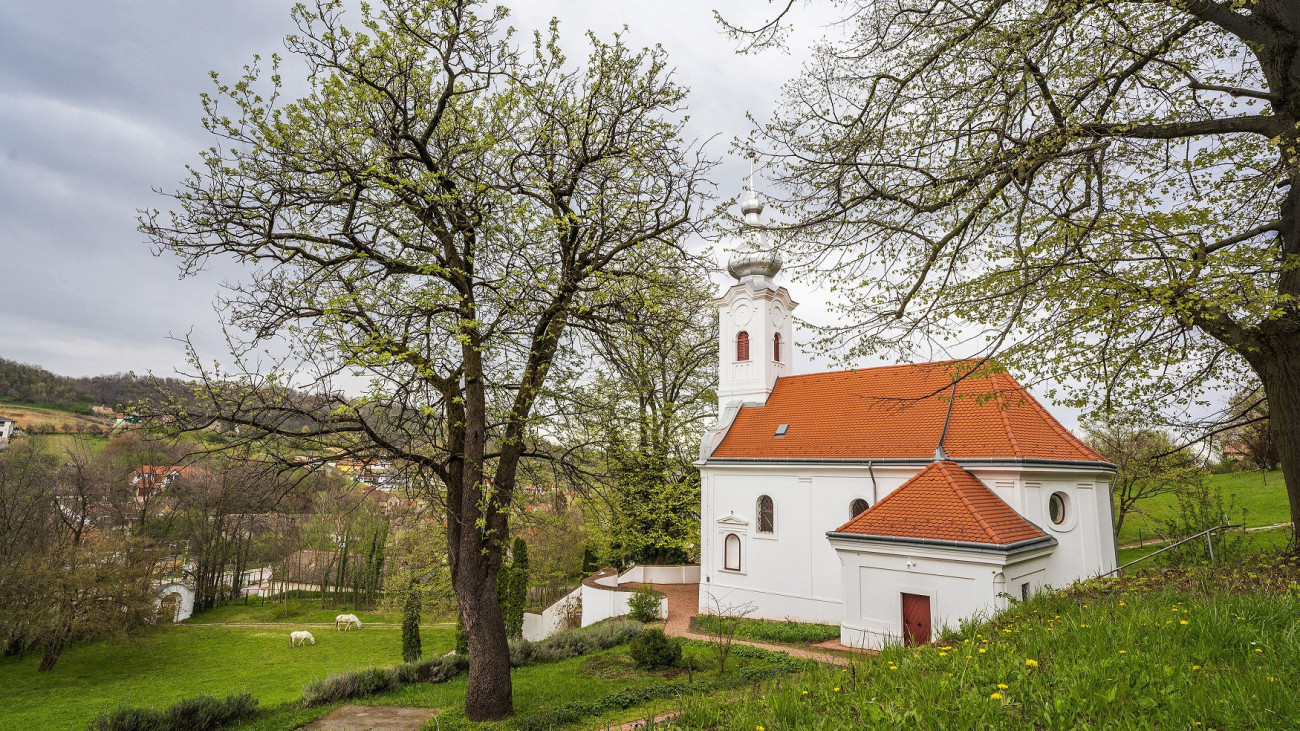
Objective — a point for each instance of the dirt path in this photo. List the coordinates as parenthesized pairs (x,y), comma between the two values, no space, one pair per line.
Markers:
(373,718)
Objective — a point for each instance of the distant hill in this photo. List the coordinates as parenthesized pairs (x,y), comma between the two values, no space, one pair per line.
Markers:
(32,385)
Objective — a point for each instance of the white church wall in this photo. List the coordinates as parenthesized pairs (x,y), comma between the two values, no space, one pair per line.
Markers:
(791,573)
(961,584)
(794,573)
(1086,545)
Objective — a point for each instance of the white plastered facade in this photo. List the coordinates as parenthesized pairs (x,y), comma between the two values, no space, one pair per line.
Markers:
(798,572)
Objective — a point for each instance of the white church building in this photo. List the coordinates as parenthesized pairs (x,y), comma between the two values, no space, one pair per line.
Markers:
(892,501)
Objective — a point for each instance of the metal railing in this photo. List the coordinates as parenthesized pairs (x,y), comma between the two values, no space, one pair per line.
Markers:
(1209,543)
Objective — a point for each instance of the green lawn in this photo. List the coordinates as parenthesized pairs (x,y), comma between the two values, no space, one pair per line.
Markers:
(1261,495)
(170,663)
(606,678)
(1213,647)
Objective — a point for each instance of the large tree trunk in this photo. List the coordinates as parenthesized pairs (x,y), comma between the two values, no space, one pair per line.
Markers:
(489,695)
(53,649)
(1280,373)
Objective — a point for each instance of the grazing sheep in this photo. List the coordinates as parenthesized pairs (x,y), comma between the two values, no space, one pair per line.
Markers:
(300,637)
(347,620)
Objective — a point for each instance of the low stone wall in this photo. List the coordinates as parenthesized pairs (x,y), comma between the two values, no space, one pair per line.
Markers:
(605,595)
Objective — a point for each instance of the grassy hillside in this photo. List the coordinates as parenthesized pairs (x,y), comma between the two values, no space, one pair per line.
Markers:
(1209,648)
(171,663)
(1256,499)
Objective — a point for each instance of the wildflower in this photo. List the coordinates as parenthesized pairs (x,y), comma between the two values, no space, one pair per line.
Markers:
(805,692)
(996,696)
(1258,650)
(1002,686)
(837,689)
(1182,621)
(758,728)
(1031,663)
(983,649)
(1123,652)
(943,654)
(1122,604)
(1196,667)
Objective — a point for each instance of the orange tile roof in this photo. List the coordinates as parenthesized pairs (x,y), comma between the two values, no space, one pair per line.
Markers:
(944,502)
(897,412)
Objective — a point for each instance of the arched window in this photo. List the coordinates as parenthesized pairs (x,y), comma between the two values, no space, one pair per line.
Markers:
(742,346)
(731,550)
(776,347)
(857,507)
(765,522)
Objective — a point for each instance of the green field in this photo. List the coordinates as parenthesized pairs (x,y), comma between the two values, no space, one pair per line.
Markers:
(167,664)
(298,612)
(1212,648)
(1262,497)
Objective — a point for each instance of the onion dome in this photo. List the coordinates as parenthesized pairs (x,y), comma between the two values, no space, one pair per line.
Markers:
(753,256)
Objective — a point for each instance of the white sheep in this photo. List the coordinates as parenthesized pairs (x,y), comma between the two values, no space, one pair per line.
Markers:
(347,620)
(300,637)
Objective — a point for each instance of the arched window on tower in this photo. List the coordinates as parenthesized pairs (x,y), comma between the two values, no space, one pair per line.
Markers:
(766,521)
(731,552)
(742,346)
(776,347)
(857,507)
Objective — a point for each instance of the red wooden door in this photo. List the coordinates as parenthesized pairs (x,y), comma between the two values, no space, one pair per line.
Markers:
(916,619)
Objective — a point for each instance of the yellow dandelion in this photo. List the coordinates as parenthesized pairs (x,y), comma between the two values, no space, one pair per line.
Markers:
(1123,652)
(996,696)
(1002,686)
(1182,621)
(758,728)
(1122,604)
(1031,663)
(983,650)
(943,654)
(805,692)
(1258,650)
(837,689)
(1196,667)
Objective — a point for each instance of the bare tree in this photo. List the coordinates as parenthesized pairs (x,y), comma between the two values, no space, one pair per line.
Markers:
(430,220)
(721,623)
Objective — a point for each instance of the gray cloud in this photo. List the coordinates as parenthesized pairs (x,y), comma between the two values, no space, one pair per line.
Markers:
(99,103)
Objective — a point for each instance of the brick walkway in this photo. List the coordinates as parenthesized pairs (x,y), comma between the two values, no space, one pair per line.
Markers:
(684,603)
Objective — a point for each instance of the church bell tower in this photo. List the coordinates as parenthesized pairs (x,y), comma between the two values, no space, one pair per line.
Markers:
(754,322)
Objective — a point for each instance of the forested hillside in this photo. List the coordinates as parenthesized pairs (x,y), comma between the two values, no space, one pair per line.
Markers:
(21,383)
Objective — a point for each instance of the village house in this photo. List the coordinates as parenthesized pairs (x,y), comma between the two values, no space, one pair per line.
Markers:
(6,431)
(892,501)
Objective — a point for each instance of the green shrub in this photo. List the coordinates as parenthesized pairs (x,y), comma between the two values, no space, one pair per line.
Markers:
(521,652)
(201,713)
(643,606)
(287,609)
(586,640)
(355,684)
(653,650)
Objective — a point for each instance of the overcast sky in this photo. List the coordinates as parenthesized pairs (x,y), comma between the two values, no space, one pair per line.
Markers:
(99,104)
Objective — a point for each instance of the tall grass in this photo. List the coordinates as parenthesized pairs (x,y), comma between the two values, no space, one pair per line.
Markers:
(1189,651)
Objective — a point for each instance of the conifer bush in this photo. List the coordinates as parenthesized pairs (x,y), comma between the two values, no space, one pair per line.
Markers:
(653,650)
(411,650)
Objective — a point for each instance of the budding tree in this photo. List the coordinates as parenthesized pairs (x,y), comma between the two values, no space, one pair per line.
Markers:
(430,220)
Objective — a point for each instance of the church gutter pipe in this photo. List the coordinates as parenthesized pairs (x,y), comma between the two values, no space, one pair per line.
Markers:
(1017,547)
(875,494)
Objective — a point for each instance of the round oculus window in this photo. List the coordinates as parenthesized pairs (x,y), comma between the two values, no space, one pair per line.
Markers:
(1056,507)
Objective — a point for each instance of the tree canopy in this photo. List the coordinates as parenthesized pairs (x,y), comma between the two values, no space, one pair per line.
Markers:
(1098,192)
